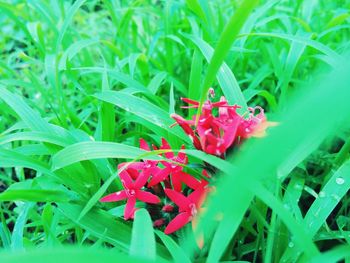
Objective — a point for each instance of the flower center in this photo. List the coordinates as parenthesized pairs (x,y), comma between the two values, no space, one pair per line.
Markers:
(130,192)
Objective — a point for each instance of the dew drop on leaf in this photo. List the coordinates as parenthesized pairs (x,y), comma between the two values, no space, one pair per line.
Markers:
(340,180)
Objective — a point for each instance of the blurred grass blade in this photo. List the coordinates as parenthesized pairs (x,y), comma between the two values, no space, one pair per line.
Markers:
(143,243)
(337,254)
(35,195)
(69,255)
(295,125)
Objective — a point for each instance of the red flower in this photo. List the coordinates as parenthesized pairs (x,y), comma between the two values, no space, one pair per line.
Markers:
(214,135)
(186,126)
(254,125)
(176,173)
(148,167)
(167,208)
(188,207)
(159,222)
(131,192)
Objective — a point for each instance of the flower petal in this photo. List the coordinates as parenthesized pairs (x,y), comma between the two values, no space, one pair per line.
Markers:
(181,156)
(141,180)
(176,183)
(180,200)
(190,101)
(179,221)
(189,180)
(230,132)
(126,179)
(134,174)
(147,197)
(185,125)
(136,165)
(166,146)
(130,208)
(144,145)
(198,196)
(125,165)
(160,176)
(114,197)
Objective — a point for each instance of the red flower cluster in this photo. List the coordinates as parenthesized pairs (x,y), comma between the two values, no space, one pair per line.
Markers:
(162,184)
(148,179)
(215,134)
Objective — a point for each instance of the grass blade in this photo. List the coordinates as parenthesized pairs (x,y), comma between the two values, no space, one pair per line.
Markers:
(225,42)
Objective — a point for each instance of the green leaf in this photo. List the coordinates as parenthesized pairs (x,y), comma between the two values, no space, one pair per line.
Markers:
(143,244)
(329,196)
(224,44)
(332,56)
(17,234)
(31,118)
(195,6)
(179,256)
(103,225)
(142,109)
(226,78)
(93,150)
(10,158)
(69,18)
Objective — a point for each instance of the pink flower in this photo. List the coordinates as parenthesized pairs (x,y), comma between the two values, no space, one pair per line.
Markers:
(173,170)
(188,207)
(132,191)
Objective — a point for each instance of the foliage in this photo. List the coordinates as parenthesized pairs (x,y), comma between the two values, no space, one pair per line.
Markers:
(82,81)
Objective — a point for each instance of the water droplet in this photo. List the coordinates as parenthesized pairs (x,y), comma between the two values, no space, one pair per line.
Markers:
(321,194)
(286,206)
(340,180)
(317,213)
(298,186)
(290,244)
(336,197)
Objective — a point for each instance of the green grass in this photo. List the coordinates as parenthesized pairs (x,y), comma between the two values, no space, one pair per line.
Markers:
(82,81)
